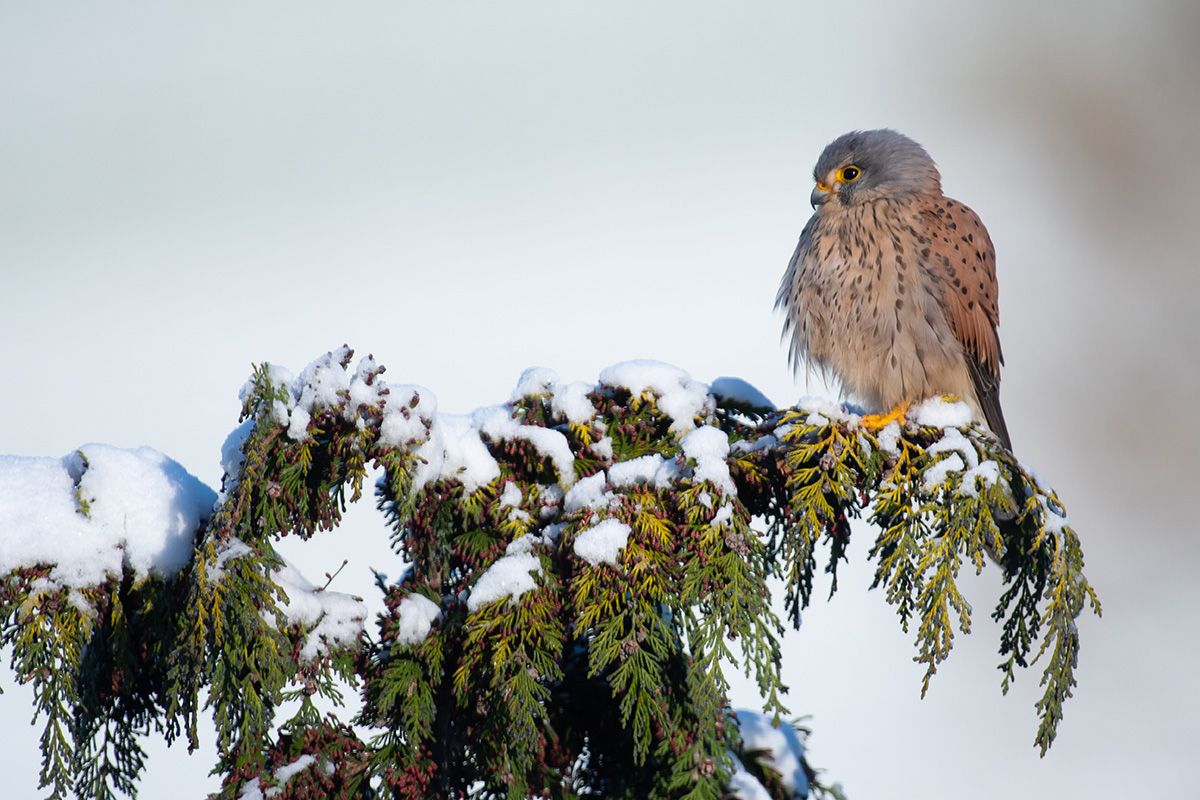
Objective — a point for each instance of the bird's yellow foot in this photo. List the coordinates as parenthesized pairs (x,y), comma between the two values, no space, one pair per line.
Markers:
(877,421)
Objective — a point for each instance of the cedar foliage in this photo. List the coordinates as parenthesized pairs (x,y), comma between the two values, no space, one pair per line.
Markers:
(604,678)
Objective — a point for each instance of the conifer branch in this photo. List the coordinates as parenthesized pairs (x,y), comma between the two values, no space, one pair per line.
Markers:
(583,567)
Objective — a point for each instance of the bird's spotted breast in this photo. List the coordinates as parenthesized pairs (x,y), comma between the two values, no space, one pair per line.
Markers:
(880,339)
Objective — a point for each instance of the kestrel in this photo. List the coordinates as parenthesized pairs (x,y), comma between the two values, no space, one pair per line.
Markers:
(893,285)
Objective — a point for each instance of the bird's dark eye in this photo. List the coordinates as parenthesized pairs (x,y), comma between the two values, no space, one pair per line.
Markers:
(848,174)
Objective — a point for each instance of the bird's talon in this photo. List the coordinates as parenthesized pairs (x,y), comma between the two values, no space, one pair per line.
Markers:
(878,421)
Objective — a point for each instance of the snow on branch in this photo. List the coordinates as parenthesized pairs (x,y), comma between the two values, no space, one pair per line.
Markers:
(585,561)
(942,492)
(95,513)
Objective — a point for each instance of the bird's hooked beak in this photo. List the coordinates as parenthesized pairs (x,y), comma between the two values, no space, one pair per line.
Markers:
(820,194)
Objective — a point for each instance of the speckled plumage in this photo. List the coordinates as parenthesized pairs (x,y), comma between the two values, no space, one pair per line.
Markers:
(893,285)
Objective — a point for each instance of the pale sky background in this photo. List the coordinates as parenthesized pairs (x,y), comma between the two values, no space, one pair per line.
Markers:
(469,189)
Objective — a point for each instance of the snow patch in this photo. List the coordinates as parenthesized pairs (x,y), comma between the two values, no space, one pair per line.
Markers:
(406,412)
(415,617)
(524,544)
(603,542)
(767,442)
(953,440)
(287,771)
(232,458)
(252,789)
(826,408)
(511,496)
(510,576)
(454,450)
(936,475)
(408,416)
(935,412)
(533,382)
(568,400)
(651,469)
(144,510)
(572,402)
(298,425)
(232,549)
(332,619)
(498,423)
(590,492)
(679,397)
(709,448)
(889,439)
(988,471)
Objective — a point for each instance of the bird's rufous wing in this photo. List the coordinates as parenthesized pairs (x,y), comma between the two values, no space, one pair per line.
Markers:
(965,261)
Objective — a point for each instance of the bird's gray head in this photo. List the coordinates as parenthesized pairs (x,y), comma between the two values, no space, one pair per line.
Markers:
(862,166)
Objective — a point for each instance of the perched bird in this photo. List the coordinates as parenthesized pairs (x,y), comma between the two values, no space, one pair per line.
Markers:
(893,285)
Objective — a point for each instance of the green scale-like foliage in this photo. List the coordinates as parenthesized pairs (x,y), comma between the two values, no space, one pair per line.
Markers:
(597,676)
(100,660)
(252,651)
(605,677)
(113,662)
(932,518)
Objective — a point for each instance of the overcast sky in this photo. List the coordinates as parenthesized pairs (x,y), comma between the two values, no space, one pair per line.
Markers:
(469,189)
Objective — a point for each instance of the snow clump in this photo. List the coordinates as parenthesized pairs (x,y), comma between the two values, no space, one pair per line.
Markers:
(603,542)
(98,511)
(679,397)
(332,619)
(415,617)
